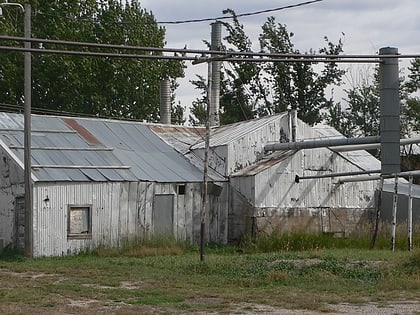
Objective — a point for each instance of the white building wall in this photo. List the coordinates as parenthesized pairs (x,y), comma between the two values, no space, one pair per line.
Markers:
(121,211)
(249,148)
(11,187)
(276,186)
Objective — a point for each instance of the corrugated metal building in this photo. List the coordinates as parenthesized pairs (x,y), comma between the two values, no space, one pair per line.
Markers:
(100,182)
(263,194)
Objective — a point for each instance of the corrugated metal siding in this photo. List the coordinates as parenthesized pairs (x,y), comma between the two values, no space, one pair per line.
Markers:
(275,186)
(11,186)
(231,133)
(235,147)
(121,211)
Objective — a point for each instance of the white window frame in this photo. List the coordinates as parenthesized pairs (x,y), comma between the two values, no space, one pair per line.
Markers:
(83,228)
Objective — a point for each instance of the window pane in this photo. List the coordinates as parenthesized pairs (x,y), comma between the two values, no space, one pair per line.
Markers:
(79,220)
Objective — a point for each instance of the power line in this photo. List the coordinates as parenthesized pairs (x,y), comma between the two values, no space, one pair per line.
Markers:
(94,54)
(242,14)
(231,56)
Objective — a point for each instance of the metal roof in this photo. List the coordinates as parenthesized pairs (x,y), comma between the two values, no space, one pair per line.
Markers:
(182,139)
(91,149)
(361,158)
(226,134)
(403,189)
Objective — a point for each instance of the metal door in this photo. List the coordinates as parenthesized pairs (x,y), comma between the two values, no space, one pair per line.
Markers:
(20,224)
(163,215)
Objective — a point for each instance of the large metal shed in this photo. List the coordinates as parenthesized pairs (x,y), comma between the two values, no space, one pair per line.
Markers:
(99,182)
(263,194)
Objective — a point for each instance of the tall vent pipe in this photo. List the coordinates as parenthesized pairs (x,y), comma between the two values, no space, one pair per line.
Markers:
(165,102)
(216,44)
(294,124)
(390,112)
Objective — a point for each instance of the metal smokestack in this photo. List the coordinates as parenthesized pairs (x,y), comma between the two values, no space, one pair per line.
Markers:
(294,124)
(390,112)
(216,44)
(165,102)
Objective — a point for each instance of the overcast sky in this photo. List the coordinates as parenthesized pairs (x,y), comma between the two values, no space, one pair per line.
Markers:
(367,25)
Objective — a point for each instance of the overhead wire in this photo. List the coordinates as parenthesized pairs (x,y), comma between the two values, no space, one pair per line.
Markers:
(220,55)
(241,14)
(234,56)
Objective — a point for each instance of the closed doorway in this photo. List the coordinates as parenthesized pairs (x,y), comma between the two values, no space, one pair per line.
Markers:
(19,238)
(163,215)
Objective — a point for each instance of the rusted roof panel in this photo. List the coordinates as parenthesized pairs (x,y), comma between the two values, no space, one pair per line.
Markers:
(87,149)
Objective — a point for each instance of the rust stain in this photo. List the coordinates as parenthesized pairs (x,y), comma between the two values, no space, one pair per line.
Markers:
(179,130)
(82,131)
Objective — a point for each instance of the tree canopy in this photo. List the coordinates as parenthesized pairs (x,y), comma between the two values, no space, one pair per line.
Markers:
(251,90)
(103,86)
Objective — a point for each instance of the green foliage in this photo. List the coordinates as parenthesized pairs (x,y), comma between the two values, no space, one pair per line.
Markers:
(412,99)
(105,86)
(250,89)
(299,86)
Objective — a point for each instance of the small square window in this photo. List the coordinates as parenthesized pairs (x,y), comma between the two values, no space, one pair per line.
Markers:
(181,189)
(80,221)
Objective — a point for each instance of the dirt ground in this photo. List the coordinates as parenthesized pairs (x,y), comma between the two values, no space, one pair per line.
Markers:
(96,307)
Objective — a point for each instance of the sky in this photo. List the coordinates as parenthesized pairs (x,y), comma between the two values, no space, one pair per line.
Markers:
(365,26)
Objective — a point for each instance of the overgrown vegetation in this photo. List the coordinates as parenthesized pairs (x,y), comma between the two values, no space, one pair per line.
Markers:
(296,272)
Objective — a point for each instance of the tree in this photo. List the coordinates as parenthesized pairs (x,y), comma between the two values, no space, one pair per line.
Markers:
(411,87)
(115,87)
(250,89)
(298,85)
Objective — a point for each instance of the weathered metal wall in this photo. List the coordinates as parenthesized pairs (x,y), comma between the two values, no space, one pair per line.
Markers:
(320,205)
(11,186)
(249,147)
(121,211)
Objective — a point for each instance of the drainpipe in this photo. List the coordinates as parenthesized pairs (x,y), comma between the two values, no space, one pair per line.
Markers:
(216,44)
(165,102)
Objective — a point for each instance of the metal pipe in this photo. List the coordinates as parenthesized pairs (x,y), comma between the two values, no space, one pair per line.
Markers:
(216,43)
(320,143)
(355,179)
(410,214)
(165,102)
(298,178)
(374,145)
(394,214)
(390,112)
(294,124)
(357,176)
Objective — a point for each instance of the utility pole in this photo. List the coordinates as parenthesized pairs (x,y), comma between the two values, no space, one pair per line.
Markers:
(27,135)
(27,93)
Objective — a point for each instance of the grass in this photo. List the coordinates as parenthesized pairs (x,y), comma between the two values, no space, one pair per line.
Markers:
(296,271)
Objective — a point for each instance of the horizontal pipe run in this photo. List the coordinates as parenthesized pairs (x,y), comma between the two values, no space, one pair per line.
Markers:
(100,167)
(64,148)
(361,178)
(374,145)
(298,178)
(320,143)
